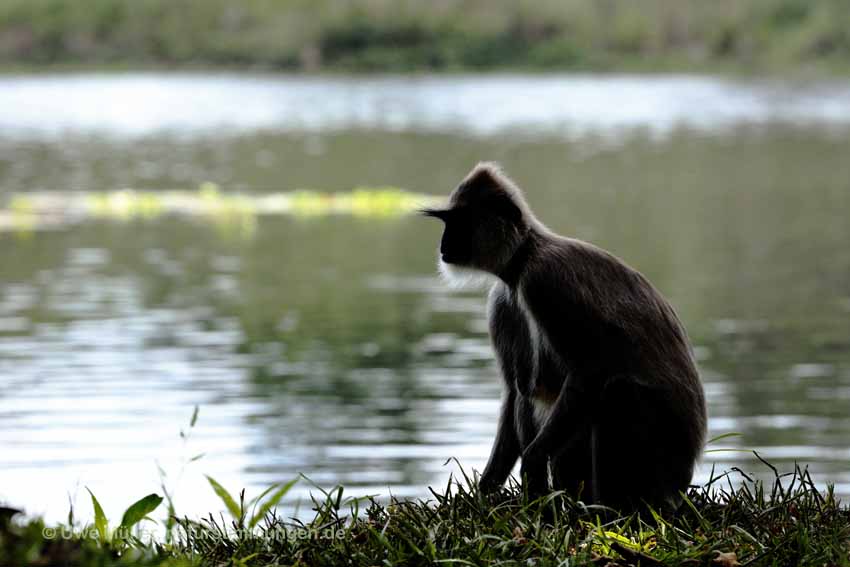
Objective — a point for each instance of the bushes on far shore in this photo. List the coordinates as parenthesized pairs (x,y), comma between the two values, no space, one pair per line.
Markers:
(441,35)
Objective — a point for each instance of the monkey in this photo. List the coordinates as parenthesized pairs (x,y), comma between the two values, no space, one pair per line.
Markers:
(600,387)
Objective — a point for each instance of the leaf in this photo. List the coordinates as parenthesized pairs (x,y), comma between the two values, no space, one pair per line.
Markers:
(197,457)
(139,510)
(100,523)
(272,502)
(194,419)
(635,557)
(225,497)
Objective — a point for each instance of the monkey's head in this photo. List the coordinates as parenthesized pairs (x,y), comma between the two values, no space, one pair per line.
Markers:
(486,220)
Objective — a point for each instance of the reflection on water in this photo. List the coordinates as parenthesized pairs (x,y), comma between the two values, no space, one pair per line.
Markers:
(327,346)
(191,105)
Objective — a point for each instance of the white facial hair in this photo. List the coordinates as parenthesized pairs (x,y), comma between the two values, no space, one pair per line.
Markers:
(461,277)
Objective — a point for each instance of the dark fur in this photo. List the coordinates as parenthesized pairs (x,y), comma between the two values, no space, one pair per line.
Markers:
(576,328)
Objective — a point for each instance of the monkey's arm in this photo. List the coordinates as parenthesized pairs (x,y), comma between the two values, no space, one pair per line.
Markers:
(505,450)
(510,338)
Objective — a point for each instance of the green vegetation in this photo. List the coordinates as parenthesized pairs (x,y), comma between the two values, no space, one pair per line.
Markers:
(788,523)
(138,511)
(26,212)
(392,35)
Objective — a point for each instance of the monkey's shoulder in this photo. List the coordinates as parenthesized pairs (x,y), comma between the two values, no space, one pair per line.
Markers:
(577,259)
(508,321)
(582,273)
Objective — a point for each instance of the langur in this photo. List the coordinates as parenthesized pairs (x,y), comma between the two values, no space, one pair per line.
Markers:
(601,391)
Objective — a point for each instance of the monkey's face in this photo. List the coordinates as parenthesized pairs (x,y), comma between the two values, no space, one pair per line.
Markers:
(459,233)
(475,236)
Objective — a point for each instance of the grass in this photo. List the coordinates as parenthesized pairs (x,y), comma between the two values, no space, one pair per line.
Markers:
(404,35)
(732,520)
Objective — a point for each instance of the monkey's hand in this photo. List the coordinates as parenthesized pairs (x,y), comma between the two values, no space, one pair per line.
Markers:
(488,485)
(534,473)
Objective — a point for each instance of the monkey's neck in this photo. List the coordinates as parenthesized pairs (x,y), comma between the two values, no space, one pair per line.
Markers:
(515,267)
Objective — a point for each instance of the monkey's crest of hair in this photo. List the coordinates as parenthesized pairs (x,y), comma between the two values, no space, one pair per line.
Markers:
(488,177)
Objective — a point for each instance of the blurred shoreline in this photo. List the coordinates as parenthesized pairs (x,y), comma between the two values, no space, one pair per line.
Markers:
(769,37)
(817,71)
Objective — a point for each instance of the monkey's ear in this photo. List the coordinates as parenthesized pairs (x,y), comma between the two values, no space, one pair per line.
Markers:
(441,214)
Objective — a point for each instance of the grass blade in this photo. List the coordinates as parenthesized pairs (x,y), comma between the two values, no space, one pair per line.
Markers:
(100,522)
(723,436)
(225,497)
(272,502)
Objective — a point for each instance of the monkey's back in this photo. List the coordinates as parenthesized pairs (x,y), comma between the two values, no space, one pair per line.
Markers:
(606,325)
(607,314)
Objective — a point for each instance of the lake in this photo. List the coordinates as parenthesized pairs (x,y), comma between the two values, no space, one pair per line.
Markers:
(327,345)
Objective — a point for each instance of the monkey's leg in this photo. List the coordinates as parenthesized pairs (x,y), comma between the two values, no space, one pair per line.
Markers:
(506,447)
(572,470)
(565,423)
(642,436)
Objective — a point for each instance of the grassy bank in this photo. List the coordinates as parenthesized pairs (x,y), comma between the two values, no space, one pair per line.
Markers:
(390,35)
(787,522)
